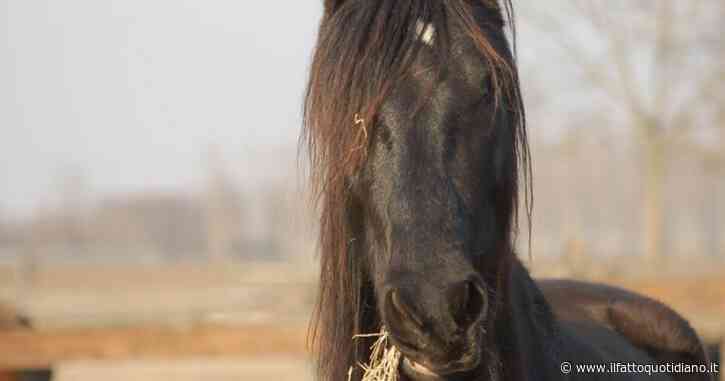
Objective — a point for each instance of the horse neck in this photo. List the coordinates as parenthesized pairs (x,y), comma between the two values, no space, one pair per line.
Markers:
(526,330)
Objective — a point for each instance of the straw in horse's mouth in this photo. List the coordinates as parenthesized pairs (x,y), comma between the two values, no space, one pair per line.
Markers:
(385,361)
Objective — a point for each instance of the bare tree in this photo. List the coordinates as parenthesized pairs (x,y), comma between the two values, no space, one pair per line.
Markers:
(73,192)
(223,208)
(4,229)
(654,64)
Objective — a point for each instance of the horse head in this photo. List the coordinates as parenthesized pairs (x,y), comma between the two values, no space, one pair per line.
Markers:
(414,124)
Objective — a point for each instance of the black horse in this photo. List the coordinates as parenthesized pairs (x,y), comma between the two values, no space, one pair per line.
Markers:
(415,127)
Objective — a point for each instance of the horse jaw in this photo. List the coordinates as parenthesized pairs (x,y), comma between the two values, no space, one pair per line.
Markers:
(418,372)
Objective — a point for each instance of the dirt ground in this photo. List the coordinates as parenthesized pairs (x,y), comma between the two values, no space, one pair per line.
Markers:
(201,369)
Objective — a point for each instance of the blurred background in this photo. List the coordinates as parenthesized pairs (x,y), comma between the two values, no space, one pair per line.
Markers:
(153,215)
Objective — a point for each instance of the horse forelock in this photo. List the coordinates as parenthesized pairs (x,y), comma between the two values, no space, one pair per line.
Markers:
(364,49)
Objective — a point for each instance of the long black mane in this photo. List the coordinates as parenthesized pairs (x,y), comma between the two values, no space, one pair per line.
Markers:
(364,49)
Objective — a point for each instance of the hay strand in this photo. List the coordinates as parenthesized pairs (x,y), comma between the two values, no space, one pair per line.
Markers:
(384,359)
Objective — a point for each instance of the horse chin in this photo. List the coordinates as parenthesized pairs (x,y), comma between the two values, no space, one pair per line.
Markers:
(416,371)
(418,365)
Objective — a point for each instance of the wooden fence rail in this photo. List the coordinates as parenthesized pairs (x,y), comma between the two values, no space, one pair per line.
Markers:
(27,349)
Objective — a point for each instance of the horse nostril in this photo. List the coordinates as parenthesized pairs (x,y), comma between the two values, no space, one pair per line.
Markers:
(468,302)
(400,310)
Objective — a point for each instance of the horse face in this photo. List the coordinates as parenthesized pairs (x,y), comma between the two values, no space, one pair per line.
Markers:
(435,194)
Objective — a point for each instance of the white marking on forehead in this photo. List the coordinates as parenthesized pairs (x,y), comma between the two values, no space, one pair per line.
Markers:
(425,32)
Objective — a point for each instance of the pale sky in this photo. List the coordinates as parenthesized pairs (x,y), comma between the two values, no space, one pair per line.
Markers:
(132,93)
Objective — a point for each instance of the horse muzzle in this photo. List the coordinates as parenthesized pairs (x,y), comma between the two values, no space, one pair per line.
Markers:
(419,371)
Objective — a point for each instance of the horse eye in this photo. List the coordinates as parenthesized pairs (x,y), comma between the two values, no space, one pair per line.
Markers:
(487,88)
(384,135)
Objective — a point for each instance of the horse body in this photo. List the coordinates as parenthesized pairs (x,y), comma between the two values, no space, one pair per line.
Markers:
(543,341)
(417,138)
(660,333)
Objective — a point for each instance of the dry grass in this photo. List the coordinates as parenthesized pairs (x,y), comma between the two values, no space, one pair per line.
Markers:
(384,359)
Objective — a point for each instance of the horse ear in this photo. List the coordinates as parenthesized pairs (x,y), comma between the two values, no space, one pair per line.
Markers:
(331,6)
